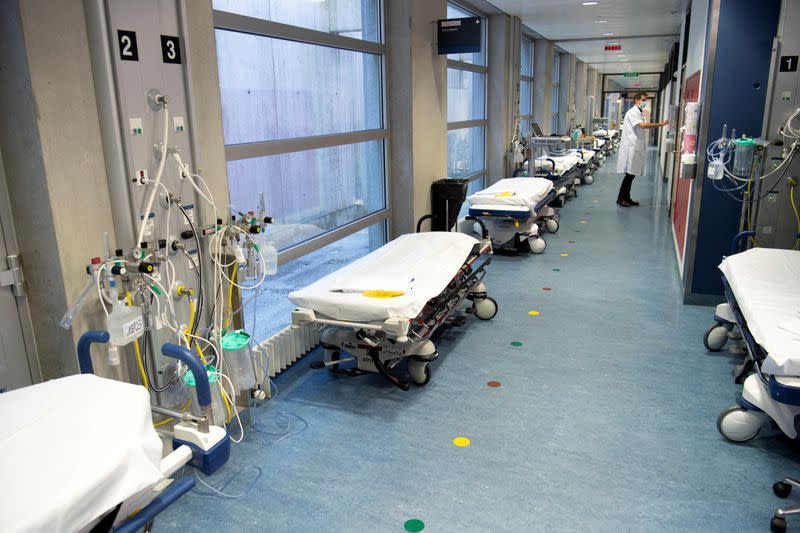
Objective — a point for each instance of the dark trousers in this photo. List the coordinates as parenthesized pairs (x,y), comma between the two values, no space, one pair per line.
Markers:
(625,188)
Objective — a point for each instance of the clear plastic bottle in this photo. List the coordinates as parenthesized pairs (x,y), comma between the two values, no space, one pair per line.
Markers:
(270,259)
(125,324)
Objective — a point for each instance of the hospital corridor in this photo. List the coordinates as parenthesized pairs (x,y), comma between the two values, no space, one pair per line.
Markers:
(413,266)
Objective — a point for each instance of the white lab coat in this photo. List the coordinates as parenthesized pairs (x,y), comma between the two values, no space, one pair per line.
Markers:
(632,144)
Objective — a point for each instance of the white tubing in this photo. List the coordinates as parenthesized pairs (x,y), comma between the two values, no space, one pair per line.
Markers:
(160,171)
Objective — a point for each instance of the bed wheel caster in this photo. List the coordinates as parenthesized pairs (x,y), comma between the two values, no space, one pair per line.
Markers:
(781,489)
(419,371)
(536,245)
(485,308)
(588,180)
(552,225)
(715,338)
(739,425)
(778,524)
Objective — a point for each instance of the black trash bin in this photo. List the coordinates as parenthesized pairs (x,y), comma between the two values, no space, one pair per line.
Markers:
(447,197)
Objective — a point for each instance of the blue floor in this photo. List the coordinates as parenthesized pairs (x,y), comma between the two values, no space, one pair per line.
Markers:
(605,419)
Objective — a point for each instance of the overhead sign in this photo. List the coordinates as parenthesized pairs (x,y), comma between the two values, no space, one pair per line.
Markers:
(631,74)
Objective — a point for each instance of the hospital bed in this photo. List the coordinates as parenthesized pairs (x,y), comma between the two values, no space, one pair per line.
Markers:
(762,286)
(385,306)
(80,453)
(512,210)
(563,169)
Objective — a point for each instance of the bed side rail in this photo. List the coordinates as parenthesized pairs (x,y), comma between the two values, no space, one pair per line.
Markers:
(736,243)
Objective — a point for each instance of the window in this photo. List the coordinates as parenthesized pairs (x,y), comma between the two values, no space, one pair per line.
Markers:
(556,77)
(466,109)
(301,86)
(303,118)
(526,88)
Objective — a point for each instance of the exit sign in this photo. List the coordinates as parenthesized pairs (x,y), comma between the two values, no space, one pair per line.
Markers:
(613,47)
(631,74)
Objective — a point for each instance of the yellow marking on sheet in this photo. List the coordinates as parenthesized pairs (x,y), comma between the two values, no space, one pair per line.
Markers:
(382,294)
(461,442)
(504,194)
(564,255)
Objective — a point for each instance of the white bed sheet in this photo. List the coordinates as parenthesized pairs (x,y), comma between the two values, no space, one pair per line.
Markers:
(421,264)
(71,449)
(525,192)
(766,284)
(599,143)
(563,163)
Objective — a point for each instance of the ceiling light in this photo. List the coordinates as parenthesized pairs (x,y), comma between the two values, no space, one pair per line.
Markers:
(588,3)
(624,60)
(601,21)
(608,34)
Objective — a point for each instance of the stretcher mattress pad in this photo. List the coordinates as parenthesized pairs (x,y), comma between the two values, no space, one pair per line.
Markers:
(72,449)
(420,265)
(524,192)
(766,285)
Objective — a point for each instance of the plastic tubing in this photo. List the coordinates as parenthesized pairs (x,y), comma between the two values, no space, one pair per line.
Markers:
(160,171)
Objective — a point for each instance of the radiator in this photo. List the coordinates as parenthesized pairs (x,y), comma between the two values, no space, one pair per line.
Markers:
(288,345)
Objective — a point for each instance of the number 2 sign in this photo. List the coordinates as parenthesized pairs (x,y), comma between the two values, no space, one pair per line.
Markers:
(128,50)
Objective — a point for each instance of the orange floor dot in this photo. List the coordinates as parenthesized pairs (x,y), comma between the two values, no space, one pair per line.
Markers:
(494,384)
(546,289)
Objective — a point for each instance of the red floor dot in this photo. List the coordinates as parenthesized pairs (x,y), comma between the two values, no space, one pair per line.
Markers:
(494,384)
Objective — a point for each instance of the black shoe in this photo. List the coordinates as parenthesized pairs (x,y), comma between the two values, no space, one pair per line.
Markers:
(623,203)
(632,202)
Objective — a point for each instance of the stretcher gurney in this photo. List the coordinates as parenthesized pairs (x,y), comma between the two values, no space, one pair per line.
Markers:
(512,211)
(762,287)
(564,170)
(385,306)
(80,453)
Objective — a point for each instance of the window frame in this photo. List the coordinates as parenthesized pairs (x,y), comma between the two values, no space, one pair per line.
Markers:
(484,71)
(556,90)
(224,20)
(526,78)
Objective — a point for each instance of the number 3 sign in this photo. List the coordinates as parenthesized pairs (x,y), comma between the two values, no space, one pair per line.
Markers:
(170,49)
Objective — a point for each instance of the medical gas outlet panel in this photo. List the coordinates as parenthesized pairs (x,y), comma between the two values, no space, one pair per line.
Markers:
(138,56)
(778,205)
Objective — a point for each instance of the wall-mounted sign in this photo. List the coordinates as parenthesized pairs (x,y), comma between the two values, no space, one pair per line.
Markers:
(631,74)
(459,36)
(613,47)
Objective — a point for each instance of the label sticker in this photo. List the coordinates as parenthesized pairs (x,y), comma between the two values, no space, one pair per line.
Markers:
(135,127)
(134,328)
(177,122)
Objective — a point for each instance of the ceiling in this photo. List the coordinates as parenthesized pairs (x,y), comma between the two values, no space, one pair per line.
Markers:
(562,21)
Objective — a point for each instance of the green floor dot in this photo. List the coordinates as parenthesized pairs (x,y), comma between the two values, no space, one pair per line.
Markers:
(516,343)
(556,270)
(414,525)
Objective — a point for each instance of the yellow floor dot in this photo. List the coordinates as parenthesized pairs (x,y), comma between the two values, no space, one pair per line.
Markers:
(564,255)
(461,442)
(584,222)
(534,313)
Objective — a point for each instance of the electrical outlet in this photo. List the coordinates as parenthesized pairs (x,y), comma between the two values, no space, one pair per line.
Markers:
(786,96)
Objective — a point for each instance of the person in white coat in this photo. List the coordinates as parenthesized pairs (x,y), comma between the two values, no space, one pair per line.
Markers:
(632,148)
